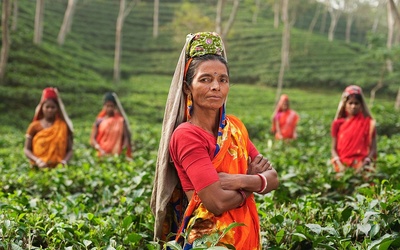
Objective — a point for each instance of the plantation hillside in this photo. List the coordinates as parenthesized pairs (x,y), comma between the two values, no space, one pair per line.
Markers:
(104,204)
(83,67)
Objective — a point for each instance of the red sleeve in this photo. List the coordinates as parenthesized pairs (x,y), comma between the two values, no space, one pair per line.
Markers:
(191,150)
(253,152)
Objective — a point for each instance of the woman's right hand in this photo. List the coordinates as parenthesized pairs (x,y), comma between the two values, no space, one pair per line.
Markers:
(40,163)
(258,165)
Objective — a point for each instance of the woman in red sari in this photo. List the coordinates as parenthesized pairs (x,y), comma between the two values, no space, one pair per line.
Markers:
(206,156)
(353,133)
(49,137)
(284,120)
(110,132)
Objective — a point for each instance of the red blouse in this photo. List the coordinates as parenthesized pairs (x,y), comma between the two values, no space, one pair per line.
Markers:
(192,150)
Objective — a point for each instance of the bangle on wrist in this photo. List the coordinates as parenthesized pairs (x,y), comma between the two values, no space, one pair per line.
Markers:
(243,194)
(264,183)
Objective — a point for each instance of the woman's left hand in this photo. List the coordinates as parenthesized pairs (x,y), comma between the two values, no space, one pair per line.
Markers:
(258,165)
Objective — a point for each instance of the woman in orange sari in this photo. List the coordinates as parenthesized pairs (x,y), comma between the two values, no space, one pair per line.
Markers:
(206,157)
(284,120)
(111,132)
(353,133)
(49,137)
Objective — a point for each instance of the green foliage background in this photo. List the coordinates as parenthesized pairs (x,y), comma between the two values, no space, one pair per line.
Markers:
(93,204)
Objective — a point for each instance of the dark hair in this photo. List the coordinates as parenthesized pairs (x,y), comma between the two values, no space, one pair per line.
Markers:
(357,96)
(194,64)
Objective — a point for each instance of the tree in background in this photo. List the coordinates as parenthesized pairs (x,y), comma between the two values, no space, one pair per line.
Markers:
(393,20)
(223,32)
(155,18)
(67,22)
(38,30)
(122,14)
(318,9)
(5,39)
(285,47)
(350,6)
(335,10)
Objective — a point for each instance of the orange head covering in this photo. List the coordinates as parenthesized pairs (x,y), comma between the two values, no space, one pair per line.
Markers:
(282,100)
(278,107)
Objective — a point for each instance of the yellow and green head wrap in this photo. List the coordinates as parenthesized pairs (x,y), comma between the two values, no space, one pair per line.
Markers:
(204,43)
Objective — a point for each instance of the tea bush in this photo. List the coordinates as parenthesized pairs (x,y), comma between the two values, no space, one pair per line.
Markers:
(104,204)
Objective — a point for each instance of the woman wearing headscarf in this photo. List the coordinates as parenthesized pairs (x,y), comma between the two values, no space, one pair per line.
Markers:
(353,132)
(49,137)
(111,132)
(284,120)
(207,168)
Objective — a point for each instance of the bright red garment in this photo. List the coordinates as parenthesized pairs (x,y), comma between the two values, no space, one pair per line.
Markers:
(284,120)
(287,123)
(231,158)
(354,136)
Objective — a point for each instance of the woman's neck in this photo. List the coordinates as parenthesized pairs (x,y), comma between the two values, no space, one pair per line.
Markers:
(47,122)
(208,123)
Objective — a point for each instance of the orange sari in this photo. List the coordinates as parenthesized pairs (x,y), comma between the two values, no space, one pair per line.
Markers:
(110,133)
(231,158)
(50,144)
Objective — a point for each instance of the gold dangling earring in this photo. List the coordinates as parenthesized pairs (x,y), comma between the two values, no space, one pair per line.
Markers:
(189,106)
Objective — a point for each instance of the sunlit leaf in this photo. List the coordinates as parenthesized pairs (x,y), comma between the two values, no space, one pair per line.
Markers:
(382,243)
(279,235)
(87,243)
(315,228)
(365,228)
(90,216)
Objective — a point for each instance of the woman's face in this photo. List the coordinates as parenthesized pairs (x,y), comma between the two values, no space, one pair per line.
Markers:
(49,109)
(210,85)
(109,106)
(285,105)
(353,105)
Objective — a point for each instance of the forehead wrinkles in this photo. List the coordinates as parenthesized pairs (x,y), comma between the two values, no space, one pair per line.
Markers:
(212,68)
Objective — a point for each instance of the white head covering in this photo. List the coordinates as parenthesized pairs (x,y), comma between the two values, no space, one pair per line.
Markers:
(351,90)
(122,111)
